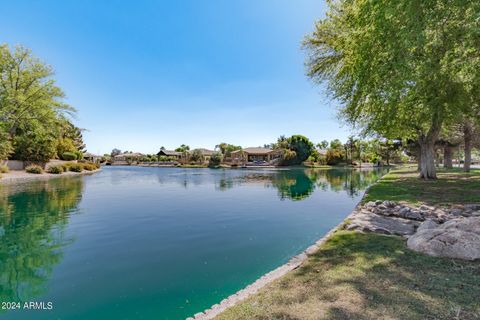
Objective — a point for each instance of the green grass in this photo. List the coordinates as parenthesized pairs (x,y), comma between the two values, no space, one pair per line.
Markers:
(368,276)
(452,187)
(192,166)
(321,166)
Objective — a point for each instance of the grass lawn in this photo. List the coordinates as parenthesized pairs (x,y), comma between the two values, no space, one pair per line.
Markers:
(370,276)
(453,187)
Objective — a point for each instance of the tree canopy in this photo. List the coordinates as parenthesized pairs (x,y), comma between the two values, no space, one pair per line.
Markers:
(32,112)
(296,149)
(399,68)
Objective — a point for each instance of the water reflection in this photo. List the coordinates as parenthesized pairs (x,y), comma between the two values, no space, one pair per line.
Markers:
(298,184)
(32,223)
(34,217)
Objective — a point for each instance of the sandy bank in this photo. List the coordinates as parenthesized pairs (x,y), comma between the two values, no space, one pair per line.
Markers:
(15,176)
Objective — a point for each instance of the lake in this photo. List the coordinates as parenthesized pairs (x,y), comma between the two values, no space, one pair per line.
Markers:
(160,243)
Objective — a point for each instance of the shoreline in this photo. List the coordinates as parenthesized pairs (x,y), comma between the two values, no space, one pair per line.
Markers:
(294,263)
(22,176)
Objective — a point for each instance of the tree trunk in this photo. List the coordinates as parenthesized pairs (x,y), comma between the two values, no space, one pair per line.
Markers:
(467,138)
(448,156)
(427,148)
(419,159)
(427,160)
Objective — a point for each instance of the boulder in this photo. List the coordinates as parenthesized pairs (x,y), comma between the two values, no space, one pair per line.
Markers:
(427,224)
(472,206)
(457,238)
(414,215)
(389,204)
(403,211)
(456,212)
(381,224)
(382,207)
(370,204)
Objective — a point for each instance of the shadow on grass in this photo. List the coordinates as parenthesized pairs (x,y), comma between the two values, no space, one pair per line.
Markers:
(390,280)
(368,276)
(452,187)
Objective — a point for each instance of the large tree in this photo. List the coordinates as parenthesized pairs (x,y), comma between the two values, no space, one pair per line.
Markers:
(32,111)
(27,90)
(226,149)
(399,68)
(296,149)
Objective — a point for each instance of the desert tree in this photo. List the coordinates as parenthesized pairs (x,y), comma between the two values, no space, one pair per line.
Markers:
(399,68)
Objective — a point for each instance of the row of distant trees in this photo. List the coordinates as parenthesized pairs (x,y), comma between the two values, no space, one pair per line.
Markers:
(298,149)
(35,123)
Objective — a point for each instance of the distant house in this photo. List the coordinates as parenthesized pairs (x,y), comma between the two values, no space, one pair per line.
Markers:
(322,152)
(206,154)
(255,154)
(127,158)
(171,154)
(91,157)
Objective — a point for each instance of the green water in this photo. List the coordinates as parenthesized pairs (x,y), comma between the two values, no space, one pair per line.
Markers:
(159,243)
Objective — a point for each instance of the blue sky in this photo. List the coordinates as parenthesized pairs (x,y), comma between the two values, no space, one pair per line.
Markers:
(145,74)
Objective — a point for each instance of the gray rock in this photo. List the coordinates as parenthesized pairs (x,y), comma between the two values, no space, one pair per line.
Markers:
(427,224)
(389,204)
(424,208)
(476,213)
(352,226)
(458,238)
(472,206)
(382,207)
(385,212)
(377,202)
(369,204)
(414,215)
(404,211)
(381,224)
(456,212)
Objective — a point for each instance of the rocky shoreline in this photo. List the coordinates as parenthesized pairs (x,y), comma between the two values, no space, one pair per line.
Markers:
(452,232)
(389,218)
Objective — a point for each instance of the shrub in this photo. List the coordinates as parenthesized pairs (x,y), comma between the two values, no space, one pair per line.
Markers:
(65,145)
(334,157)
(34,169)
(55,169)
(68,156)
(4,168)
(36,146)
(215,159)
(196,156)
(89,166)
(75,167)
